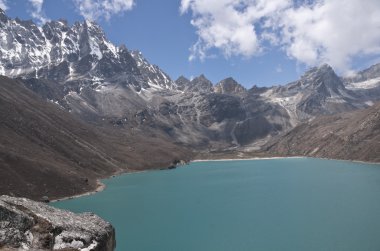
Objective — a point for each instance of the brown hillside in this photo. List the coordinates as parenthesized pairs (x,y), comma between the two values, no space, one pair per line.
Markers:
(45,151)
(352,136)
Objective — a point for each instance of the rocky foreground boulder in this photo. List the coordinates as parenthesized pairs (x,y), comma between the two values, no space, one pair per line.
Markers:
(30,225)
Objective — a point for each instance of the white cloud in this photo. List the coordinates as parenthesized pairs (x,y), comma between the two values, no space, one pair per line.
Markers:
(3,5)
(97,9)
(331,31)
(228,25)
(89,9)
(37,12)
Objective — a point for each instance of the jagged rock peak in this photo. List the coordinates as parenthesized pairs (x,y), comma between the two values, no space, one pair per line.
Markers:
(79,53)
(201,77)
(182,83)
(229,86)
(198,84)
(153,76)
(322,69)
(257,89)
(182,79)
(26,48)
(201,84)
(322,76)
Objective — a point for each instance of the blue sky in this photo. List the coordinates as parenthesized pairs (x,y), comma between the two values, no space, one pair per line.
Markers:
(255,41)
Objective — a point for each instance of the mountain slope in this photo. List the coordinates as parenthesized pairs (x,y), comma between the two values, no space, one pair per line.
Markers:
(77,68)
(319,91)
(109,86)
(353,135)
(44,150)
(366,84)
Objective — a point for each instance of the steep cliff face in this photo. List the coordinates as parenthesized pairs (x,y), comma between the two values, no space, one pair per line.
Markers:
(29,225)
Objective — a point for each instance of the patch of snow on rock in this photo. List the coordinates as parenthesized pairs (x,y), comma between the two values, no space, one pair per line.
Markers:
(368,84)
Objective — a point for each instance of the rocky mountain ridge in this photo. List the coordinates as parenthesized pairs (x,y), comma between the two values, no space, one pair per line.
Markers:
(77,68)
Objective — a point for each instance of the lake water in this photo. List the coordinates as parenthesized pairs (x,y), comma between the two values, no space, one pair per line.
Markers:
(279,204)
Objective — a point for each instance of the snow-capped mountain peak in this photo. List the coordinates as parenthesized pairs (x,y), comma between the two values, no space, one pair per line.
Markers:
(80,52)
(153,75)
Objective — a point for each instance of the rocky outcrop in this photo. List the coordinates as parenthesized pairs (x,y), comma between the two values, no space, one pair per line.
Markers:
(30,225)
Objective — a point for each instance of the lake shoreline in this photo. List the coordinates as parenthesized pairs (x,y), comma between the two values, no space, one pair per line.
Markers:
(254,158)
(295,194)
(289,157)
(101,186)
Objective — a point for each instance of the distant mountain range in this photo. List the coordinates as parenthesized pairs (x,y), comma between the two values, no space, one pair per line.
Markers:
(114,92)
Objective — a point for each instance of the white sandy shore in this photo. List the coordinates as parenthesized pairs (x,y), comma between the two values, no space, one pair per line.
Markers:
(292,157)
(256,158)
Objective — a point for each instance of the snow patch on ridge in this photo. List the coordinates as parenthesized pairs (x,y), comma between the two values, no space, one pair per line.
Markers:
(367,84)
(95,50)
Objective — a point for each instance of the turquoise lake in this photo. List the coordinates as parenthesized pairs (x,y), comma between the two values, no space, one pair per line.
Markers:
(278,204)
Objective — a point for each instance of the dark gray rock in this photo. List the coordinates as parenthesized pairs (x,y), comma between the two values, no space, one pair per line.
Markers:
(217,107)
(200,84)
(30,225)
(182,83)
